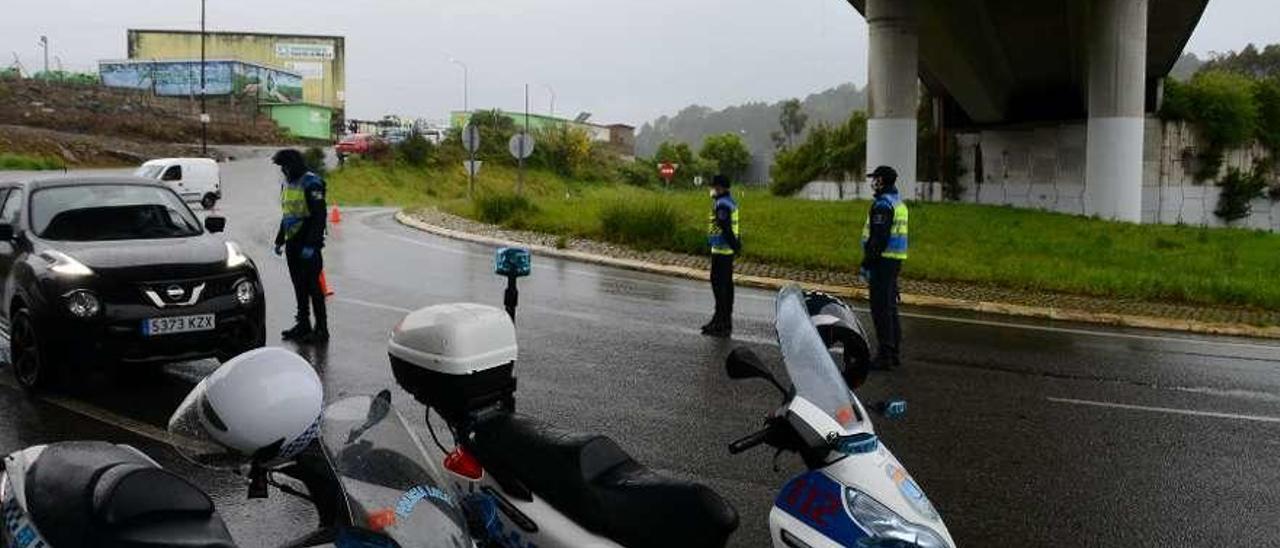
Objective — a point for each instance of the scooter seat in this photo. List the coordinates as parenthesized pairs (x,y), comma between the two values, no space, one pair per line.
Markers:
(590,479)
(96,494)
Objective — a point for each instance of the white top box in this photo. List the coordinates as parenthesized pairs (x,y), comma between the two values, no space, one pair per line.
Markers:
(455,339)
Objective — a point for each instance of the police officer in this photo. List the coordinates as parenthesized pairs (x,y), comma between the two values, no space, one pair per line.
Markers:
(300,239)
(722,236)
(884,247)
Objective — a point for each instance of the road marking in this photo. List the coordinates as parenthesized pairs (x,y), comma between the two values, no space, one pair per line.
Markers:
(370,304)
(1168,410)
(119,421)
(916,315)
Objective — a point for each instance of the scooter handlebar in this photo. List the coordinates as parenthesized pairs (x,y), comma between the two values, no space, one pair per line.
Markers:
(749,441)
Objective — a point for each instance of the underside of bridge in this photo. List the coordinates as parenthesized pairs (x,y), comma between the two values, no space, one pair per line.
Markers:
(1026,62)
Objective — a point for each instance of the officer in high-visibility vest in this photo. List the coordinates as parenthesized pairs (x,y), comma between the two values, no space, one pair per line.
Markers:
(722,236)
(300,239)
(884,247)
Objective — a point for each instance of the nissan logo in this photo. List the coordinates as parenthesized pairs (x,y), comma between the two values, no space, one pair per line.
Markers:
(175,292)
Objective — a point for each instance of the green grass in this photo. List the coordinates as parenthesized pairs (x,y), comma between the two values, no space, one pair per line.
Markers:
(1000,246)
(26,162)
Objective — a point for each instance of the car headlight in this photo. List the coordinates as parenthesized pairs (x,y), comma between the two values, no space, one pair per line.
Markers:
(245,292)
(83,304)
(888,528)
(234,256)
(64,264)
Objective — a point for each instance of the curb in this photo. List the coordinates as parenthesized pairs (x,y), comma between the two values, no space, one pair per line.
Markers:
(764,282)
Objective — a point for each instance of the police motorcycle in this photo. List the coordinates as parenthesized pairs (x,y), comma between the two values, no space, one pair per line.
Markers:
(553,488)
(356,461)
(854,492)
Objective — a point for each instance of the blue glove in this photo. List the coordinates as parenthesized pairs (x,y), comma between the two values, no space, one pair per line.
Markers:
(279,249)
(307,253)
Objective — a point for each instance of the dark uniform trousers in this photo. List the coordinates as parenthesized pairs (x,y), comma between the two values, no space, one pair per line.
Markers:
(884,306)
(305,275)
(722,286)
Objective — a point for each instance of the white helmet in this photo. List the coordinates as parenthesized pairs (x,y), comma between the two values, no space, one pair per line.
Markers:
(261,406)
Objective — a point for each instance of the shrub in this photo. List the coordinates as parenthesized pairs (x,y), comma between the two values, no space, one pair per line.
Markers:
(649,224)
(499,209)
(642,173)
(416,150)
(1238,190)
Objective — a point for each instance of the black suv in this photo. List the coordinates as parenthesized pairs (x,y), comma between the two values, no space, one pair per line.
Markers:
(98,271)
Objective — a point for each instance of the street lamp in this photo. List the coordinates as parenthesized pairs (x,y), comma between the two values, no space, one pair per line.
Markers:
(204,114)
(553,98)
(465,86)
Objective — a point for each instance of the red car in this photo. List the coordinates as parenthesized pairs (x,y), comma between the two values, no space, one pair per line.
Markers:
(356,143)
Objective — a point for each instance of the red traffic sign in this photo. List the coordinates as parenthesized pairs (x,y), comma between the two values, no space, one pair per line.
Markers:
(667,170)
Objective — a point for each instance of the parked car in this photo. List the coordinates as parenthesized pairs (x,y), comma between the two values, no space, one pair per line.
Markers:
(395,136)
(194,179)
(115,271)
(355,143)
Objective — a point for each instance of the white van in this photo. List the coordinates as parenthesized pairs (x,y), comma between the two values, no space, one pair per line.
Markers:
(195,179)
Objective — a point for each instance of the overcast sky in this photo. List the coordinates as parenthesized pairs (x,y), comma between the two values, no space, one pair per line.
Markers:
(625,61)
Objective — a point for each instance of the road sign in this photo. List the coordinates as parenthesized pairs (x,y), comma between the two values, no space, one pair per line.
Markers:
(471,138)
(472,167)
(667,170)
(521,145)
(697,181)
(204,118)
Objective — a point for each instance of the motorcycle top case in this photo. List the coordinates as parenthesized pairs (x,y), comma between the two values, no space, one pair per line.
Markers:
(456,358)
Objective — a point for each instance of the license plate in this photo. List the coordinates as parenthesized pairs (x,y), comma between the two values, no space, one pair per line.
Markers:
(177,324)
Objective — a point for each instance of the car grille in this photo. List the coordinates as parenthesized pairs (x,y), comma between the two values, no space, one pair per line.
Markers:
(171,293)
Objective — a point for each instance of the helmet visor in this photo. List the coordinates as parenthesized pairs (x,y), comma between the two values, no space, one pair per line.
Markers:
(193,433)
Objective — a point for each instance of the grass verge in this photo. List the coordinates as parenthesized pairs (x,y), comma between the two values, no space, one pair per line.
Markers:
(999,246)
(25,162)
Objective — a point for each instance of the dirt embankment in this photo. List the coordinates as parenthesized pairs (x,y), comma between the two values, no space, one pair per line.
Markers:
(95,125)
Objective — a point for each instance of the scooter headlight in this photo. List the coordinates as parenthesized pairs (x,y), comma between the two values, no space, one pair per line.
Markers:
(83,304)
(886,526)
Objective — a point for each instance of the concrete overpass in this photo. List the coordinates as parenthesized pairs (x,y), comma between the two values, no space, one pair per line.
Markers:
(1024,62)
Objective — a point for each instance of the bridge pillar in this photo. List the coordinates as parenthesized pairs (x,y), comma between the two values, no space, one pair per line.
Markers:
(1117,60)
(893,92)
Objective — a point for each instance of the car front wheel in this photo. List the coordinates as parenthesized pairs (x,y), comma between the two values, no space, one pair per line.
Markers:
(27,357)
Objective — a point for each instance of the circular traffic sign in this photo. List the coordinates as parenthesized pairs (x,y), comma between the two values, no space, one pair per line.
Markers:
(520,145)
(471,138)
(667,170)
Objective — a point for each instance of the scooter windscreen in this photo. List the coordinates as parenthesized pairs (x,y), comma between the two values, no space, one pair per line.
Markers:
(391,487)
(809,365)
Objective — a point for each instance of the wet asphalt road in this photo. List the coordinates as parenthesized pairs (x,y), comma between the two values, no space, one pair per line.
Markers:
(1022,433)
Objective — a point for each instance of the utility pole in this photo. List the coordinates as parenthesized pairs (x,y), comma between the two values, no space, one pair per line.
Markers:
(44,44)
(551,90)
(204,114)
(523,136)
(465,85)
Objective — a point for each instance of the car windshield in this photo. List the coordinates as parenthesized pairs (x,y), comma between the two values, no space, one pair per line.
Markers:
(149,172)
(813,373)
(110,212)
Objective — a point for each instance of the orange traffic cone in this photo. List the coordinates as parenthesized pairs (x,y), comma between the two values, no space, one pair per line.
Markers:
(335,216)
(324,286)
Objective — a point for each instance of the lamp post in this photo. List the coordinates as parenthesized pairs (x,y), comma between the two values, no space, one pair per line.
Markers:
(552,91)
(465,85)
(204,114)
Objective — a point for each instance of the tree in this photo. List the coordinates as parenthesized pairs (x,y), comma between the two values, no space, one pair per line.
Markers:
(792,119)
(675,153)
(729,154)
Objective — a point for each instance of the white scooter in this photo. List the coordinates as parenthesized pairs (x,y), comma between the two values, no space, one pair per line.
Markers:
(855,492)
(561,489)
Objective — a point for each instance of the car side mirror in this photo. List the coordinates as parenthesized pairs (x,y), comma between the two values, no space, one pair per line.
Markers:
(743,363)
(6,232)
(215,224)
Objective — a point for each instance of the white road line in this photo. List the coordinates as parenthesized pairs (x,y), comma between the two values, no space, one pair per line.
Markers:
(1168,410)
(969,321)
(370,304)
(107,417)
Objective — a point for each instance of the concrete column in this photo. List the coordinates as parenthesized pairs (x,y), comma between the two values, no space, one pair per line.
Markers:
(1117,97)
(893,92)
